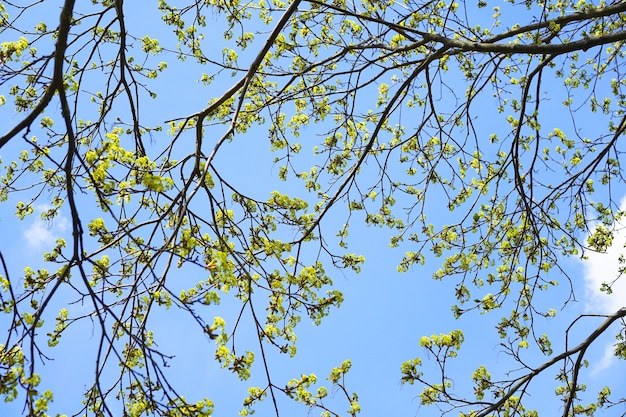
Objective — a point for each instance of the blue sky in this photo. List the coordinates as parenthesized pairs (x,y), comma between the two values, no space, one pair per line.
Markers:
(378,326)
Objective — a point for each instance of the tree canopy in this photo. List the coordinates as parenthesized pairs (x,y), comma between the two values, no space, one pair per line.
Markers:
(482,137)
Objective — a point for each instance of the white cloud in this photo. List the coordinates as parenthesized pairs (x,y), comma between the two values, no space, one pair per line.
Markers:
(605,362)
(43,235)
(601,268)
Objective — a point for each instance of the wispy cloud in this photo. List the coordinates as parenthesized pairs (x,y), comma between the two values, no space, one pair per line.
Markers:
(605,362)
(41,234)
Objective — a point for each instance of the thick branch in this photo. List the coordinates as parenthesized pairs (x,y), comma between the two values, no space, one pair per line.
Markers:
(585,15)
(536,49)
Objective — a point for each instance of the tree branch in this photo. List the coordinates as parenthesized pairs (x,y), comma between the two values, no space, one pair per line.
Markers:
(57,78)
(580,348)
